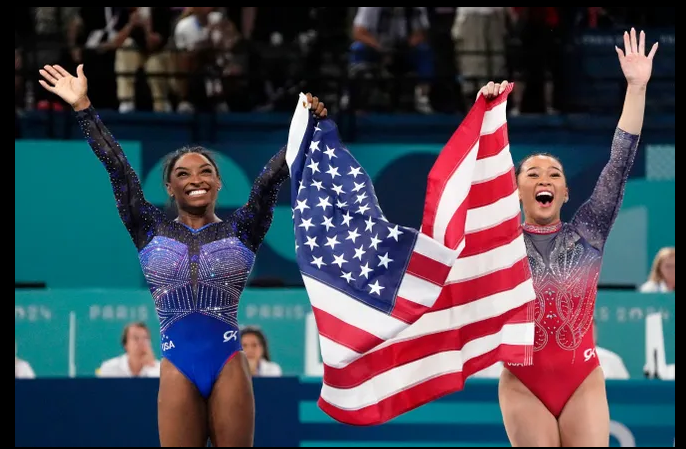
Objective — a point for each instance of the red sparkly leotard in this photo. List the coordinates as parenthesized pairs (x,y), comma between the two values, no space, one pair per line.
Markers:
(565,262)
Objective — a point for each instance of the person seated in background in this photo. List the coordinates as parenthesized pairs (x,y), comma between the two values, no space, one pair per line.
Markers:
(22,368)
(612,364)
(138,360)
(387,35)
(662,276)
(257,352)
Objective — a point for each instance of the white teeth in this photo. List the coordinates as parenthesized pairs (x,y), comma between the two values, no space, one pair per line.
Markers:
(197,192)
(548,194)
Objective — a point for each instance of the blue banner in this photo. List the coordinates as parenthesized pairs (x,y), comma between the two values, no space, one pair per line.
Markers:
(123,413)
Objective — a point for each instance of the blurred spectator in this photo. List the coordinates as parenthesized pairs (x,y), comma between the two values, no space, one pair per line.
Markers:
(142,36)
(392,37)
(50,24)
(662,276)
(479,34)
(446,95)
(257,351)
(611,363)
(207,42)
(22,369)
(18,78)
(89,36)
(541,32)
(138,360)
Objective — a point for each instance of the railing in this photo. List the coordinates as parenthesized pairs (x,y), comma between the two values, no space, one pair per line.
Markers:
(592,82)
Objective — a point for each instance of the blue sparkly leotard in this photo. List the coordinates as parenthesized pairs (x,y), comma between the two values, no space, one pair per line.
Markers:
(195,276)
(565,261)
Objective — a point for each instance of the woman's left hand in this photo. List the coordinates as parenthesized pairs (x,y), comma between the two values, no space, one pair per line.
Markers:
(317,108)
(637,67)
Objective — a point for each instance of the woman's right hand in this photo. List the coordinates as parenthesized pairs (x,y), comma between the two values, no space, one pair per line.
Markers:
(492,90)
(71,89)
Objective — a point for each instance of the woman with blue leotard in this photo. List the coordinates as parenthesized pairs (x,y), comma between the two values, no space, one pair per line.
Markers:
(196,267)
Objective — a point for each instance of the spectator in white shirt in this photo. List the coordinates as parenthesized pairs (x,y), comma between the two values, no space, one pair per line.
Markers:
(138,360)
(195,36)
(388,32)
(257,351)
(662,278)
(22,369)
(611,363)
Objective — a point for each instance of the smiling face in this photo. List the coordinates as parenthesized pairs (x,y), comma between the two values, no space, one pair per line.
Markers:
(542,189)
(193,182)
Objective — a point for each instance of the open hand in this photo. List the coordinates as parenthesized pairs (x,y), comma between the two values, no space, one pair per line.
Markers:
(637,67)
(317,107)
(63,84)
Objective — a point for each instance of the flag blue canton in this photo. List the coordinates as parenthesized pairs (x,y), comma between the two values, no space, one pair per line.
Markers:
(342,238)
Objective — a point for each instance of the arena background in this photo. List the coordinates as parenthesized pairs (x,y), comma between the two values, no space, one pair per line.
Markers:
(78,282)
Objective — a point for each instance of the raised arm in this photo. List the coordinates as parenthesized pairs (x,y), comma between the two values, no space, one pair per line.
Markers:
(595,217)
(138,215)
(253,220)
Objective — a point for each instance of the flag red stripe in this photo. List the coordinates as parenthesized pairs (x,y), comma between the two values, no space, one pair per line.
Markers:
(427,268)
(407,311)
(454,233)
(465,292)
(493,144)
(483,241)
(488,192)
(448,161)
(400,353)
(343,333)
(422,393)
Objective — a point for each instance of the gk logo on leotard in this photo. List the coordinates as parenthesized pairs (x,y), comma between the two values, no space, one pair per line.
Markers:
(589,354)
(230,335)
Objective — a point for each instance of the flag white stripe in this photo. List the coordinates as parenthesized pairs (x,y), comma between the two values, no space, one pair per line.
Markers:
(473,267)
(336,355)
(418,290)
(460,316)
(493,214)
(494,119)
(428,247)
(454,194)
(403,377)
(351,311)
(493,166)
(296,132)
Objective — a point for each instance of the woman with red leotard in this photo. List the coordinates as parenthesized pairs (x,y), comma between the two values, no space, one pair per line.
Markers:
(561,400)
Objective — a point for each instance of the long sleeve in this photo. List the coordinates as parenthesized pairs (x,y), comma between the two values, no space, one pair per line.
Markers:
(138,215)
(252,221)
(595,217)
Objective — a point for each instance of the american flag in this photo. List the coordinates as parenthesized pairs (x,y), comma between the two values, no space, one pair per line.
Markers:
(404,316)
